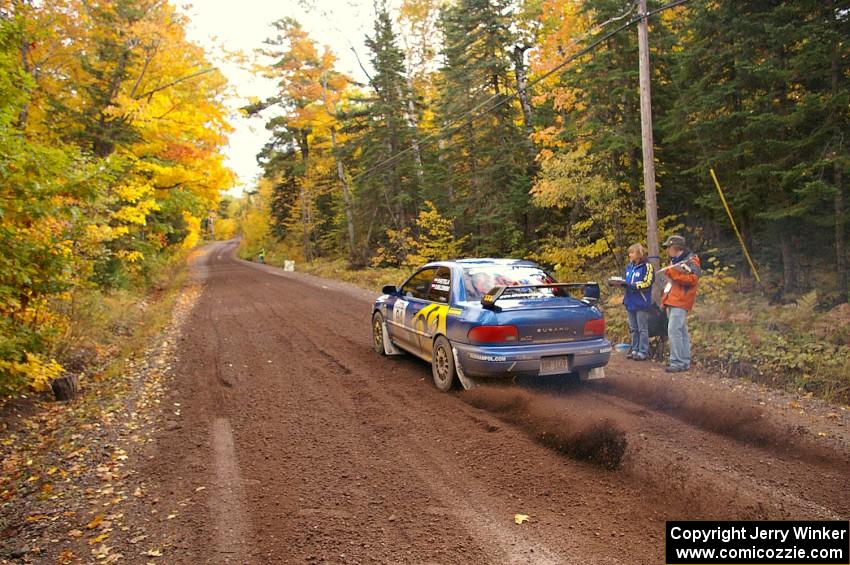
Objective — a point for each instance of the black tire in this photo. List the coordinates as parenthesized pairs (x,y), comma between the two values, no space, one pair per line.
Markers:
(378,333)
(443,365)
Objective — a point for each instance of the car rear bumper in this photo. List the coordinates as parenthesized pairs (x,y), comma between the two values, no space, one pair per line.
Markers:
(525,360)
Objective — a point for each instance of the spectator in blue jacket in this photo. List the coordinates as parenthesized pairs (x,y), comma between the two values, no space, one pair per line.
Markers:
(638,300)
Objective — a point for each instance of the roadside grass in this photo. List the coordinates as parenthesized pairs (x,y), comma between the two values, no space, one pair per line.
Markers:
(107,327)
(60,459)
(793,347)
(368,278)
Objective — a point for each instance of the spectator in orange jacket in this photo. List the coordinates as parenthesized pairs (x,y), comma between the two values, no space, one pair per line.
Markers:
(678,299)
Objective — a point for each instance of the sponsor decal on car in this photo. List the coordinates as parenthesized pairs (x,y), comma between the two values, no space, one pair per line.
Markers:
(492,358)
(432,318)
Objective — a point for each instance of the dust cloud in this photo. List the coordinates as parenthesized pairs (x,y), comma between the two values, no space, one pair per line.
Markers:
(720,412)
(598,440)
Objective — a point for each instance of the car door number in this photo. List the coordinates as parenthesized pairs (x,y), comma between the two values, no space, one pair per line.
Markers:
(399,308)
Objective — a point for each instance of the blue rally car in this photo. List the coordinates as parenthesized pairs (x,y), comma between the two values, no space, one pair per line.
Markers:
(474,319)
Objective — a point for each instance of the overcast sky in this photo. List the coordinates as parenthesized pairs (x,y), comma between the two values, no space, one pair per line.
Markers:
(242,25)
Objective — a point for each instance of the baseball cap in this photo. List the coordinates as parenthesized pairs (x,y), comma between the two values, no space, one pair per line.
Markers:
(676,240)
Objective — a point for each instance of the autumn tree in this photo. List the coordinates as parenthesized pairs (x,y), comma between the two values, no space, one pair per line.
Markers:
(301,155)
(391,178)
(483,160)
(111,130)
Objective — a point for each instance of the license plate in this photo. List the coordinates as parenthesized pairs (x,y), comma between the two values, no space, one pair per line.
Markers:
(554,365)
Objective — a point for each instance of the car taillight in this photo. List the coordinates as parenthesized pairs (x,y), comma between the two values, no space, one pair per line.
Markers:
(594,327)
(494,334)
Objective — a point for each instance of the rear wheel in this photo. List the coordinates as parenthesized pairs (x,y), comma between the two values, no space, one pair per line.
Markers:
(443,364)
(378,333)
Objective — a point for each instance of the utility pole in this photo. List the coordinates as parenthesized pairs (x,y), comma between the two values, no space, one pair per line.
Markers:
(646,136)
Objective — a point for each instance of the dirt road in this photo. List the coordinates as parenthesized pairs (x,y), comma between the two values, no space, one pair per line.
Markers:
(311,448)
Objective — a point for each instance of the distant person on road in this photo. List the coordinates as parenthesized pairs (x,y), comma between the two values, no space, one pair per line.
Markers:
(262,256)
(638,300)
(678,299)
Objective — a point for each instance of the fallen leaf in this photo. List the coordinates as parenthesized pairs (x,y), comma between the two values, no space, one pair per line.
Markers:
(75,533)
(99,539)
(36,518)
(95,522)
(520,518)
(66,557)
(199,489)
(153,553)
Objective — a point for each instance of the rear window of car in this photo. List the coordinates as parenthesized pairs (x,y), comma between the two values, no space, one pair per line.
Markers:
(441,285)
(479,280)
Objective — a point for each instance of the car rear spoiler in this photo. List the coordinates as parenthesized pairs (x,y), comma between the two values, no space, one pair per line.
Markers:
(590,292)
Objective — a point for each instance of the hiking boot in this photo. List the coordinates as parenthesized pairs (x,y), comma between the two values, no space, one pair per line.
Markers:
(638,357)
(631,355)
(675,369)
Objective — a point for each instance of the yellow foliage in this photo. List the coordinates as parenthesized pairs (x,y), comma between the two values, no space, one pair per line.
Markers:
(436,241)
(255,229)
(400,247)
(137,214)
(36,372)
(130,256)
(99,233)
(225,229)
(193,225)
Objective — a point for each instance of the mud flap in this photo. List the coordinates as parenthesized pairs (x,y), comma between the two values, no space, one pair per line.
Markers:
(389,346)
(466,382)
(592,374)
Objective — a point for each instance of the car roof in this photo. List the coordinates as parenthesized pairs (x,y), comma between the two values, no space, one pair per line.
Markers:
(471,262)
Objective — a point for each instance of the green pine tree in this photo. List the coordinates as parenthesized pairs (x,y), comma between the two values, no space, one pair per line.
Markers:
(483,160)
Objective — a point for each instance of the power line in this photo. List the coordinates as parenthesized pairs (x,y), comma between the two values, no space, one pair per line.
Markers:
(483,103)
(502,100)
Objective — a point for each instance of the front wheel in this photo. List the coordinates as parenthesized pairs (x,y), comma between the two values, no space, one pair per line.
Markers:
(443,364)
(378,333)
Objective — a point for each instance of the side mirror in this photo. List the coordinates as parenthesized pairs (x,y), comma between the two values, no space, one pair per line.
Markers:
(389,289)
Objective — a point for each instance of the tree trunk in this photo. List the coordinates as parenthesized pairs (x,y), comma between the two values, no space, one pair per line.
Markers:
(346,196)
(65,387)
(789,267)
(23,115)
(522,87)
(104,144)
(840,234)
(840,219)
(305,224)
(413,124)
